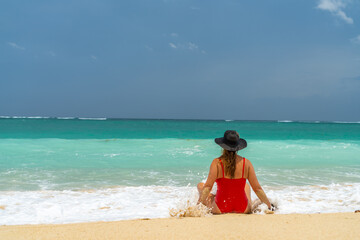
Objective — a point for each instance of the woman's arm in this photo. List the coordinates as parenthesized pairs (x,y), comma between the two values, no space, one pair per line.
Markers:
(209,182)
(256,186)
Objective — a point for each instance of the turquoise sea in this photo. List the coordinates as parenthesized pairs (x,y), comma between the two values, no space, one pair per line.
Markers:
(57,170)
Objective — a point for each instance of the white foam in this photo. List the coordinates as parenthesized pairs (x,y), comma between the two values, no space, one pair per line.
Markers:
(65,118)
(30,117)
(92,118)
(26,117)
(285,121)
(38,117)
(316,199)
(35,207)
(111,204)
(18,117)
(344,122)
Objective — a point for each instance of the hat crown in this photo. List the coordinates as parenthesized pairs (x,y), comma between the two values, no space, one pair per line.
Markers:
(231,136)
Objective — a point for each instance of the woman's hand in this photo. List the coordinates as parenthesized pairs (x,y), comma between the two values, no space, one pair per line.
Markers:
(272,207)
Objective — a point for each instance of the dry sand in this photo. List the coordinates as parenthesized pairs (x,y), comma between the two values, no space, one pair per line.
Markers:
(229,226)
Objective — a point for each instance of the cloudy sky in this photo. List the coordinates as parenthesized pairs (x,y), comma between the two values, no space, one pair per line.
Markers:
(192,59)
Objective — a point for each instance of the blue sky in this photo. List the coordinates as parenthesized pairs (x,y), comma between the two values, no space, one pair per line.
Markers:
(247,60)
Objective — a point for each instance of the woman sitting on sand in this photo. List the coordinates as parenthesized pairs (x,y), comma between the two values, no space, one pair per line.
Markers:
(230,172)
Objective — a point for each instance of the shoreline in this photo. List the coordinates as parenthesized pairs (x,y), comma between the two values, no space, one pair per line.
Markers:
(227,226)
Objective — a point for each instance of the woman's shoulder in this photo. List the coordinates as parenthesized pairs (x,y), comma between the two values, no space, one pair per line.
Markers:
(240,159)
(215,163)
(247,162)
(216,160)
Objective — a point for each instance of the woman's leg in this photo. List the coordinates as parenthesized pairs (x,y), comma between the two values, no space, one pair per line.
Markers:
(209,198)
(210,201)
(214,208)
(200,187)
(255,204)
(248,195)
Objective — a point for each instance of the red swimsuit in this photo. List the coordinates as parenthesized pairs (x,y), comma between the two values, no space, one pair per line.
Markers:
(230,195)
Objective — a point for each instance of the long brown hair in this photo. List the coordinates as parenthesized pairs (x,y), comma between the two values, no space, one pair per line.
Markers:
(229,159)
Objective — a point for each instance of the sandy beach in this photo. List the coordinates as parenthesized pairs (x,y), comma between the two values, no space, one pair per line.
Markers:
(230,226)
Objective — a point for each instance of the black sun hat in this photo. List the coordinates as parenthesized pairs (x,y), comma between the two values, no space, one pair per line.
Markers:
(231,141)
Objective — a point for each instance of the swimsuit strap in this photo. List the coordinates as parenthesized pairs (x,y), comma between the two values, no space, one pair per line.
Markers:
(243,169)
(222,168)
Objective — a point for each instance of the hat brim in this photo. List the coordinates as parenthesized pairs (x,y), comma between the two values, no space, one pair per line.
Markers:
(241,144)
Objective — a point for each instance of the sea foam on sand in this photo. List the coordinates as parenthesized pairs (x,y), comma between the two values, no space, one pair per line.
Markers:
(120,203)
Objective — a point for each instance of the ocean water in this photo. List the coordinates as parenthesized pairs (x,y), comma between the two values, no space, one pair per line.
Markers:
(62,170)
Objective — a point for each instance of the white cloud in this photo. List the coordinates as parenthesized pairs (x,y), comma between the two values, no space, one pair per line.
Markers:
(174,34)
(347,19)
(172,45)
(331,5)
(192,46)
(93,57)
(14,45)
(356,39)
(336,8)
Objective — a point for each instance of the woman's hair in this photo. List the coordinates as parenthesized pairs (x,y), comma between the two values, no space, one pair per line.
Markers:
(229,158)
